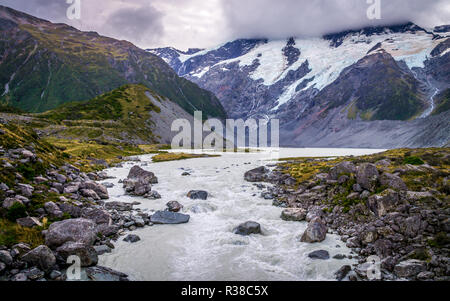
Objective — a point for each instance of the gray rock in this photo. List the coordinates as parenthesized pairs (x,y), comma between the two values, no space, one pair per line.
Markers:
(105,274)
(166,217)
(198,195)
(55,275)
(42,257)
(26,190)
(320,254)
(383,203)
(20,277)
(340,169)
(367,176)
(100,250)
(6,257)
(72,188)
(393,181)
(138,173)
(29,222)
(293,214)
(98,216)
(34,274)
(89,193)
(71,230)
(257,175)
(248,228)
(2,267)
(9,202)
(107,230)
(409,268)
(153,195)
(119,206)
(315,232)
(87,254)
(343,272)
(174,206)
(99,189)
(132,238)
(73,211)
(53,210)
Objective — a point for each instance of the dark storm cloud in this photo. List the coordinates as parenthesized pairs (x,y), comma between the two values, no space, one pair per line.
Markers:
(284,18)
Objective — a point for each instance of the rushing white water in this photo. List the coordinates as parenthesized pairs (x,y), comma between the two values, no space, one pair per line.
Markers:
(205,248)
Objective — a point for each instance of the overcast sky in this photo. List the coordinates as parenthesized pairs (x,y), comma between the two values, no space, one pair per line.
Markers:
(206,23)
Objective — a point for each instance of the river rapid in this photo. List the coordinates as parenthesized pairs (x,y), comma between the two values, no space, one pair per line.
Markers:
(205,249)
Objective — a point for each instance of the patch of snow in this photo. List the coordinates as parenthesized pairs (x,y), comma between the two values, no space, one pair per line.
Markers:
(445,52)
(202,72)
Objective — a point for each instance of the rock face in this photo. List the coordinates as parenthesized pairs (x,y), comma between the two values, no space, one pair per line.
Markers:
(257,175)
(87,254)
(248,228)
(294,214)
(367,176)
(41,257)
(409,268)
(198,195)
(71,230)
(315,232)
(166,217)
(383,203)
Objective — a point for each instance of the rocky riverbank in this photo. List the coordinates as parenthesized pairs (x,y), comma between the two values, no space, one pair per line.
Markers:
(393,205)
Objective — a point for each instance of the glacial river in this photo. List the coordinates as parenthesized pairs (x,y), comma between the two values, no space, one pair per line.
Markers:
(205,248)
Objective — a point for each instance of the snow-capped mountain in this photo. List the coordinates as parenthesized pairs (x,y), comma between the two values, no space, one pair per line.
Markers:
(395,73)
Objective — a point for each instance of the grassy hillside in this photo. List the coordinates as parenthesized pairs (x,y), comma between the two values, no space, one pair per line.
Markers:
(442,102)
(44,65)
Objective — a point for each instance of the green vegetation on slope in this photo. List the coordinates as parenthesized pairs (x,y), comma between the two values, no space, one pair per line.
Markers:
(46,65)
(442,102)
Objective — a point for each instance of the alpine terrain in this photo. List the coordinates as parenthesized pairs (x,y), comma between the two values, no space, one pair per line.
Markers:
(374,87)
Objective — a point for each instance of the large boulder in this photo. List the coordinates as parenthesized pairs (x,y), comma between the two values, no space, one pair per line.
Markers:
(197,195)
(71,230)
(26,190)
(132,238)
(315,232)
(257,175)
(98,216)
(87,254)
(248,228)
(367,176)
(138,173)
(383,203)
(98,273)
(393,181)
(294,214)
(167,217)
(42,257)
(319,254)
(342,168)
(6,257)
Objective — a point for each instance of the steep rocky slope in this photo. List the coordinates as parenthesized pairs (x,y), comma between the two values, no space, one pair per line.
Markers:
(355,77)
(43,65)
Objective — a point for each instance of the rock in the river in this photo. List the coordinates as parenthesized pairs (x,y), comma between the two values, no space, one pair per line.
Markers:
(100,250)
(167,217)
(248,228)
(119,206)
(367,176)
(98,273)
(87,254)
(198,195)
(343,272)
(315,232)
(383,203)
(174,206)
(139,181)
(42,257)
(138,173)
(320,254)
(409,268)
(74,230)
(132,238)
(293,214)
(257,175)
